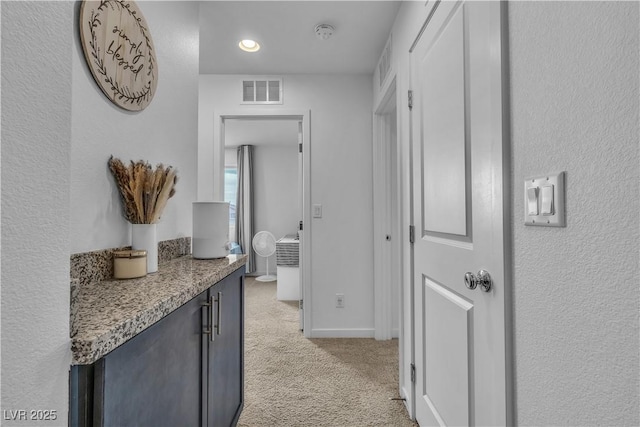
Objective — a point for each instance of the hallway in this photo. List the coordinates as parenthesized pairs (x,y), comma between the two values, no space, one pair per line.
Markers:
(293,381)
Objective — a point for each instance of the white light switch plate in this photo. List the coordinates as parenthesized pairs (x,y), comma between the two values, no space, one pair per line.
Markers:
(554,219)
(317,211)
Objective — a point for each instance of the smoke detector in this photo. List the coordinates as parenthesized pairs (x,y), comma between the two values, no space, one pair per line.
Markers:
(324,31)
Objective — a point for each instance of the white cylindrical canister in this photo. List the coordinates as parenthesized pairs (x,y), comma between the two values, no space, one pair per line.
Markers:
(210,230)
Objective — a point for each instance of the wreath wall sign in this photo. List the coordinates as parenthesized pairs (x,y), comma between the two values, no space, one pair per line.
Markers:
(119,51)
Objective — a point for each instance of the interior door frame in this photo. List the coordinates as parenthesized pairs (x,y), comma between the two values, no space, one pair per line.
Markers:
(391,258)
(303,116)
(387,215)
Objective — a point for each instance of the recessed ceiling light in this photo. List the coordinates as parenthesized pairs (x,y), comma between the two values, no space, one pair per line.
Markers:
(249,45)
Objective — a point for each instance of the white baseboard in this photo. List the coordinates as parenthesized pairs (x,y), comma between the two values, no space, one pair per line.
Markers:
(342,333)
(407,405)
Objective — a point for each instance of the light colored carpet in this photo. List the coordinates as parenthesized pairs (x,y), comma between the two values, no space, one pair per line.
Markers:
(294,381)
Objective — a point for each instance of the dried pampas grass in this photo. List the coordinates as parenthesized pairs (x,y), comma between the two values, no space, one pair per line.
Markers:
(144,191)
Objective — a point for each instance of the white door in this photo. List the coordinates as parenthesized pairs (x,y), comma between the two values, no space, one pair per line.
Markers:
(458,213)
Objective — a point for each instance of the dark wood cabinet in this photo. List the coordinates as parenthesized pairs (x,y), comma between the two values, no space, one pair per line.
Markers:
(225,370)
(185,370)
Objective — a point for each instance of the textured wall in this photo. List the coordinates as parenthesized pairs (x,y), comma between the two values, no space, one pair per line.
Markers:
(574,94)
(58,131)
(165,132)
(341,170)
(36,144)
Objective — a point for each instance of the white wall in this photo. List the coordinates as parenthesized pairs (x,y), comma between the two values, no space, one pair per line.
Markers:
(58,131)
(165,132)
(276,194)
(574,94)
(230,157)
(341,158)
(36,145)
(574,77)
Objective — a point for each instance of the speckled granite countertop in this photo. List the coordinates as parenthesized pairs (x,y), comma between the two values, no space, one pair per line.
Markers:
(109,313)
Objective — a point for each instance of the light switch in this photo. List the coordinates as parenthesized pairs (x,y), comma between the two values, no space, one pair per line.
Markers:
(317,211)
(544,200)
(532,200)
(547,199)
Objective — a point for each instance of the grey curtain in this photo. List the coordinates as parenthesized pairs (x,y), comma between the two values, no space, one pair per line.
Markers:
(244,205)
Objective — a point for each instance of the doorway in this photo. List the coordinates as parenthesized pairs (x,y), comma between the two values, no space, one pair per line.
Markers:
(392,292)
(235,129)
(386,218)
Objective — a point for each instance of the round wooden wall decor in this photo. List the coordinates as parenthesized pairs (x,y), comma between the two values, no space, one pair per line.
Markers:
(119,51)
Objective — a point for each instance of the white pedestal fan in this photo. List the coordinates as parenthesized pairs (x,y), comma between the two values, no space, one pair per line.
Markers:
(264,243)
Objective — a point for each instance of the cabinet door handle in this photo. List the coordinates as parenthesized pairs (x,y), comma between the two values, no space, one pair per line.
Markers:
(218,315)
(209,330)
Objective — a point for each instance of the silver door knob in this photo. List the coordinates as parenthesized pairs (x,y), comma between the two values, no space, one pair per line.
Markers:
(470,280)
(483,279)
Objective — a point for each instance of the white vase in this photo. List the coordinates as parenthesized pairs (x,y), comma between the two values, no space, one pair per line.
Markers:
(143,237)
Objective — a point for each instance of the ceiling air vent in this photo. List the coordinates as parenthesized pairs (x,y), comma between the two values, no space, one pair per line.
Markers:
(262,91)
(384,65)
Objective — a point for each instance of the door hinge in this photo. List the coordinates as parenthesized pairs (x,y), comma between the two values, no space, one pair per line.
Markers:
(412,234)
(300,148)
(300,226)
(413,373)
(410,100)
(300,305)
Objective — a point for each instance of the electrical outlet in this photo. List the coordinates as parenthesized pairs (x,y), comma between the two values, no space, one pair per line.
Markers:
(339,300)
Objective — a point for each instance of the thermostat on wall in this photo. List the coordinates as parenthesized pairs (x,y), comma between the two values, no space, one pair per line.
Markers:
(544,200)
